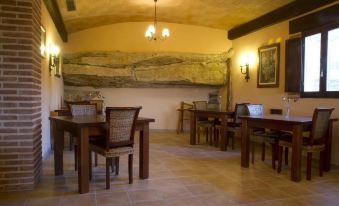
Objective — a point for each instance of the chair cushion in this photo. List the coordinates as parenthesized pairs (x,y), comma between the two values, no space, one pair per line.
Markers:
(306,146)
(98,147)
(261,138)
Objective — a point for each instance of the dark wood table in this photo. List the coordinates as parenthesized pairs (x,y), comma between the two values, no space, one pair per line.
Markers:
(82,127)
(296,124)
(220,114)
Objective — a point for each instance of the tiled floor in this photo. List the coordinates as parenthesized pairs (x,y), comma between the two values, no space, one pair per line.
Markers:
(181,174)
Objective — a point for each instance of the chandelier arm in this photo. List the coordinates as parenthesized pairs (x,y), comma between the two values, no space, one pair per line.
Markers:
(155,13)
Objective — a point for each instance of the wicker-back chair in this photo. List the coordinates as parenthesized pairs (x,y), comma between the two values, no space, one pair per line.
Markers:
(316,142)
(83,108)
(255,109)
(203,122)
(119,138)
(184,115)
(233,127)
(260,136)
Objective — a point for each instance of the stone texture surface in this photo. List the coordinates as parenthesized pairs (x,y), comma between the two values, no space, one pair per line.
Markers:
(124,69)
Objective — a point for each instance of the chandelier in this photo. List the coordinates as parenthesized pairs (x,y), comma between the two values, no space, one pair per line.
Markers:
(150,33)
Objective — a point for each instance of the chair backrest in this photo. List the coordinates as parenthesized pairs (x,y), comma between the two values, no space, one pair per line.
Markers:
(255,109)
(83,109)
(240,109)
(200,105)
(68,103)
(184,106)
(121,125)
(320,123)
(99,103)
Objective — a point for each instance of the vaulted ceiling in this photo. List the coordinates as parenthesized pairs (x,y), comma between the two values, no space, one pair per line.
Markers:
(220,14)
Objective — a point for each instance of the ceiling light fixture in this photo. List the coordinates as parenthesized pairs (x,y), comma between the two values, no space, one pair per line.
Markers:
(150,33)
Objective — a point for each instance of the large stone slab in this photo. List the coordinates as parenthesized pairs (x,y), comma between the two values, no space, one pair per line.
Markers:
(127,69)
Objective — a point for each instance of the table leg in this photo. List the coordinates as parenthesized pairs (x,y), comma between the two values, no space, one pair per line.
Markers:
(144,152)
(296,153)
(245,144)
(58,137)
(223,144)
(193,129)
(83,166)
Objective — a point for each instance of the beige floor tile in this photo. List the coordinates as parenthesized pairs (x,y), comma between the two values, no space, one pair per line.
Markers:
(182,174)
(112,198)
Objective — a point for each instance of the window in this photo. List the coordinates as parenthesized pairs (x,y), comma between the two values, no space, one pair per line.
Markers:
(321,63)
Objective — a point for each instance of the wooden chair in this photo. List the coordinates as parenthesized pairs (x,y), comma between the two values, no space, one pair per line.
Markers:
(234,126)
(316,142)
(204,122)
(261,136)
(184,115)
(118,139)
(82,110)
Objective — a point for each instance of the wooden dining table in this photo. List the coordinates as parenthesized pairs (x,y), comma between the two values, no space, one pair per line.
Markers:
(295,124)
(82,127)
(222,115)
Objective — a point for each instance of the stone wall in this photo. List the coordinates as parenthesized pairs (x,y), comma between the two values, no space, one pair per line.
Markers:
(20,94)
(135,70)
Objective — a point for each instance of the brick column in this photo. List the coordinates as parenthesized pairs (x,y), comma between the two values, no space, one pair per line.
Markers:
(20,94)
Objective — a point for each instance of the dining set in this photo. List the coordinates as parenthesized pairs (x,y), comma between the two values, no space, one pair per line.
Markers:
(109,134)
(285,133)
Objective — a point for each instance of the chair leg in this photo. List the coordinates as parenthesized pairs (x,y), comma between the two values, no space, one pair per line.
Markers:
(206,134)
(252,151)
(280,150)
(210,130)
(130,168)
(75,157)
(274,153)
(117,165)
(309,166)
(198,131)
(95,159)
(233,143)
(263,151)
(90,165)
(321,163)
(112,164)
(71,142)
(107,173)
(286,156)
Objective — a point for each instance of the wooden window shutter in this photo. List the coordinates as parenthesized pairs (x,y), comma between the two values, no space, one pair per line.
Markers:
(293,65)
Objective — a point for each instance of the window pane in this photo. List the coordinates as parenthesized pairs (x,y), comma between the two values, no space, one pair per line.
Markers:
(312,63)
(333,60)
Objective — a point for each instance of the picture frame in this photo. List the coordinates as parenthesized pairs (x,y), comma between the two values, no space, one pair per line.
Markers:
(58,66)
(268,69)
(43,46)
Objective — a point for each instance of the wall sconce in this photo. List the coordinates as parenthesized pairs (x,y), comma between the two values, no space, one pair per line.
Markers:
(53,56)
(247,71)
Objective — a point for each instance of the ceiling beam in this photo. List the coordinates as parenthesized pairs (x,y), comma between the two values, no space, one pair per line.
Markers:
(54,11)
(283,13)
(325,17)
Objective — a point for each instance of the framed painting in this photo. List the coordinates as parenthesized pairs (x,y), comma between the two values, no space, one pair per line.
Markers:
(268,70)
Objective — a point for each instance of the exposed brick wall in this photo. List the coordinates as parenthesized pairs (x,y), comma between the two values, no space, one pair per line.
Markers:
(20,94)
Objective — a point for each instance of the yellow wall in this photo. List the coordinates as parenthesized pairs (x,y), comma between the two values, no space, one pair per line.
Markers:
(271,97)
(52,87)
(159,103)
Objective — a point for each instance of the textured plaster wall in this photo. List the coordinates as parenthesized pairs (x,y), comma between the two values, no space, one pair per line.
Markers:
(159,103)
(52,87)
